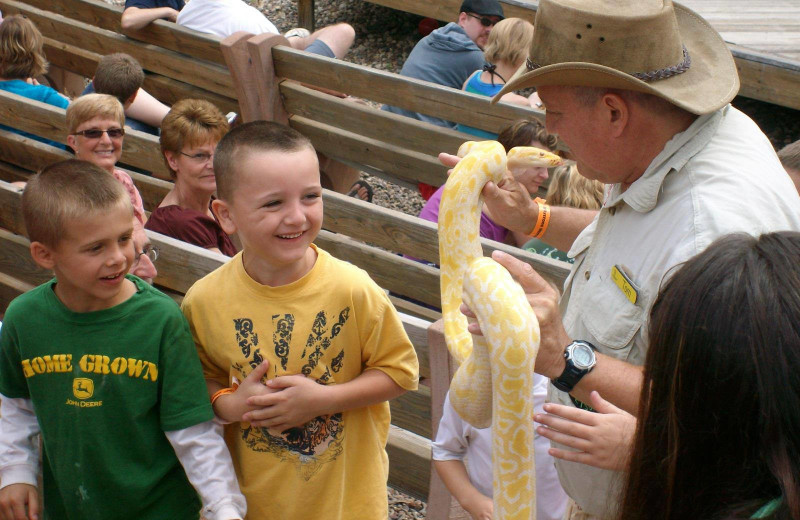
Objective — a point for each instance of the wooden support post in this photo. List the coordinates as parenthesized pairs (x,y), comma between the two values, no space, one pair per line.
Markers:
(442,369)
(260,52)
(305,14)
(245,82)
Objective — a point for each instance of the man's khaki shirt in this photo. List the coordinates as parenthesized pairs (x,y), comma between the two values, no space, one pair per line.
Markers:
(719,176)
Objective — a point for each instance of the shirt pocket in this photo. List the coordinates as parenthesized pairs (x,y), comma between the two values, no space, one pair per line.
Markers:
(609,315)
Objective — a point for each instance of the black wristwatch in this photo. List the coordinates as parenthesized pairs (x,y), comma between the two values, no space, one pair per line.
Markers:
(580,361)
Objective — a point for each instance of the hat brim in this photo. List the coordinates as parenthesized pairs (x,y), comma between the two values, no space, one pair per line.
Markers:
(709,84)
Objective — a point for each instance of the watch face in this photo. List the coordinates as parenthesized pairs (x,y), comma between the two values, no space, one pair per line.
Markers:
(582,356)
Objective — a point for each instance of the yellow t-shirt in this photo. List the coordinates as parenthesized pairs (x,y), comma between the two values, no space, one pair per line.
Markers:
(331,325)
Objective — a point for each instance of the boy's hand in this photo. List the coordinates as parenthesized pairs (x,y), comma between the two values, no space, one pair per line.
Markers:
(232,407)
(15,498)
(295,401)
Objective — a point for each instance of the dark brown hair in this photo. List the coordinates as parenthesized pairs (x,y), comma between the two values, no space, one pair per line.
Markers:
(261,136)
(524,132)
(720,406)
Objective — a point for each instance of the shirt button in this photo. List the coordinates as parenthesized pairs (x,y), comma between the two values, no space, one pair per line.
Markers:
(587,274)
(612,210)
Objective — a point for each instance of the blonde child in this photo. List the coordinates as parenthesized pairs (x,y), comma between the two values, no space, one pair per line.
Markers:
(568,188)
(310,442)
(103,365)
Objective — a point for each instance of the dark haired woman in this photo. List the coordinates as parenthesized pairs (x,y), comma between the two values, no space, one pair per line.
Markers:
(719,419)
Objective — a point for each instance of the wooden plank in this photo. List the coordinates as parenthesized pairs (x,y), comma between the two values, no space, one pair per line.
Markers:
(139,148)
(354,117)
(409,462)
(412,411)
(417,330)
(161,33)
(406,164)
(259,48)
(10,288)
(245,82)
(764,78)
(28,153)
(209,76)
(418,281)
(305,14)
(15,260)
(386,87)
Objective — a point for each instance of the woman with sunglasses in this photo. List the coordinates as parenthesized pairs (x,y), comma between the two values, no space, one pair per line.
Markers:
(21,61)
(95,128)
(189,134)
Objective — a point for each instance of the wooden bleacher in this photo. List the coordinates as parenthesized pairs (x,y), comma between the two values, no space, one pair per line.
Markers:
(402,150)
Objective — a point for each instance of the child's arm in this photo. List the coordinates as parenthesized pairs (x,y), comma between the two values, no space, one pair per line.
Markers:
(455,478)
(136,18)
(208,465)
(147,109)
(448,450)
(19,459)
(301,399)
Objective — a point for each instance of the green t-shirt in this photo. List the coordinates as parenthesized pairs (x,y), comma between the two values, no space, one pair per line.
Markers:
(105,386)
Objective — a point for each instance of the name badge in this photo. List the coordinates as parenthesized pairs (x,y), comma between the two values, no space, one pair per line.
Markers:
(625,284)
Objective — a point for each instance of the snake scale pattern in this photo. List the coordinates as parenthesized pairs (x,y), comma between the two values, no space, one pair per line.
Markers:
(493,385)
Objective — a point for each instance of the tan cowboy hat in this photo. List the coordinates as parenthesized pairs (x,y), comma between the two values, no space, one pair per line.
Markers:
(653,46)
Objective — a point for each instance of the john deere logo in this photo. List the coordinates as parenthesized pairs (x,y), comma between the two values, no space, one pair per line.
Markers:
(82,388)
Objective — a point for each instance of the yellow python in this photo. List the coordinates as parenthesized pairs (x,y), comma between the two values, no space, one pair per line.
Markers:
(494,384)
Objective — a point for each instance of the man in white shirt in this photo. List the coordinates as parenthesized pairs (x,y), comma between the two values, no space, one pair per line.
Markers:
(641,97)
(225,17)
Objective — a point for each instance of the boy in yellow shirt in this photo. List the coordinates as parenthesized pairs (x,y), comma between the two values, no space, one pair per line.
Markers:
(301,351)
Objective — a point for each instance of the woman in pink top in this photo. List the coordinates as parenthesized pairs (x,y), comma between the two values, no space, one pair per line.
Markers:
(96,126)
(189,135)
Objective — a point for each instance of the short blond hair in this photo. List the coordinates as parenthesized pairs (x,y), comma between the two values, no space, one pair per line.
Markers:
(93,105)
(191,122)
(64,191)
(570,188)
(21,49)
(509,41)
(790,156)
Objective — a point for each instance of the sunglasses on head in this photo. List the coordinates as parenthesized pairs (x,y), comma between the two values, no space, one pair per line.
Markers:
(485,20)
(96,133)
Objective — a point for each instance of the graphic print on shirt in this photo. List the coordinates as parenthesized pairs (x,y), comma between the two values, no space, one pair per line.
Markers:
(320,440)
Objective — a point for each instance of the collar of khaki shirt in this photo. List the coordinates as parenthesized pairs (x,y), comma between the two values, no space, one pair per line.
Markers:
(642,195)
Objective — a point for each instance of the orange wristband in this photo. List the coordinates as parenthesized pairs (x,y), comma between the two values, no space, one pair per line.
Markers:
(224,391)
(543,220)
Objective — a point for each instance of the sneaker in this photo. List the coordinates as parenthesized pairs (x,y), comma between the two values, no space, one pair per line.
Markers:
(297,32)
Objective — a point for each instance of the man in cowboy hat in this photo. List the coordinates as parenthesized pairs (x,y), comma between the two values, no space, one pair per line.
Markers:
(640,94)
(447,56)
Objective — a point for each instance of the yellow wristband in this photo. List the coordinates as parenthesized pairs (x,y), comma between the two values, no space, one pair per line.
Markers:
(543,220)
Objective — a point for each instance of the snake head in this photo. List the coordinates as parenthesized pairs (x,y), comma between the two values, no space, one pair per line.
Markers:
(530,157)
